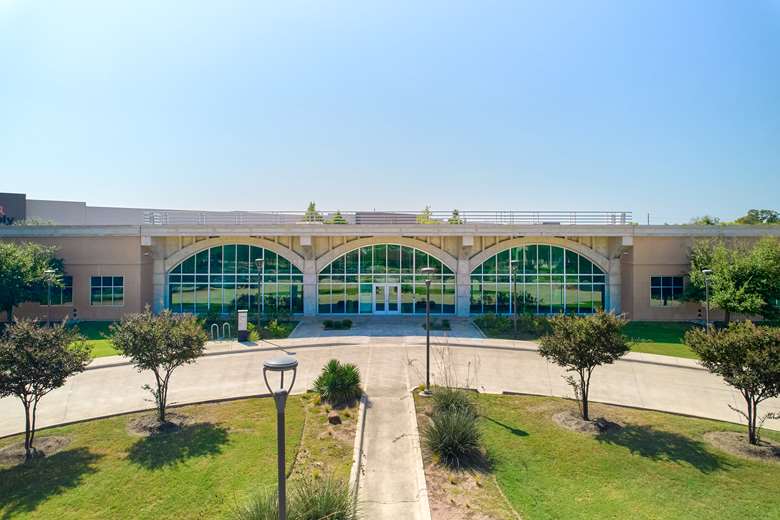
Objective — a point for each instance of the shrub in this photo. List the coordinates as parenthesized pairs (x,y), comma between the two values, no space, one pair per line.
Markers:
(347,324)
(453,436)
(308,499)
(275,329)
(338,383)
(447,399)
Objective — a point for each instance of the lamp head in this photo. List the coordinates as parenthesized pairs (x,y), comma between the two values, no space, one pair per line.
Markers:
(428,271)
(259,264)
(280,365)
(706,272)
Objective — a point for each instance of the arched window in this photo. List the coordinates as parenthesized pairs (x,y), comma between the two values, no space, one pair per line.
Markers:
(223,279)
(548,280)
(384,279)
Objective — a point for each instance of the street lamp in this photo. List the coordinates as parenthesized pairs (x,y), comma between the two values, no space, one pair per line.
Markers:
(513,264)
(427,271)
(707,273)
(259,262)
(280,365)
(49,276)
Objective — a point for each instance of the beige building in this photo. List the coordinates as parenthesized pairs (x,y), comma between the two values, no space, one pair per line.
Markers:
(117,260)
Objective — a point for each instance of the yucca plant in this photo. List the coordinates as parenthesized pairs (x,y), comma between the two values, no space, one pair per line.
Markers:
(262,506)
(447,399)
(308,499)
(454,437)
(339,383)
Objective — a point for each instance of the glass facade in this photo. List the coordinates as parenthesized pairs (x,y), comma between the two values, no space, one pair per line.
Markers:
(224,278)
(107,290)
(548,280)
(384,278)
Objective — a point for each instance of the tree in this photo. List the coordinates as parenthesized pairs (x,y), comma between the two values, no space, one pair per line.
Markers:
(705,220)
(312,215)
(745,279)
(759,216)
(160,343)
(455,218)
(580,344)
(22,273)
(338,218)
(747,357)
(34,360)
(426,217)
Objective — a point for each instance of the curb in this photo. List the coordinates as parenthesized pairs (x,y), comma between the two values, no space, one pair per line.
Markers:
(357,454)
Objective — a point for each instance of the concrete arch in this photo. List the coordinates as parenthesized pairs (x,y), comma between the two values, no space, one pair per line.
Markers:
(445,258)
(182,254)
(601,261)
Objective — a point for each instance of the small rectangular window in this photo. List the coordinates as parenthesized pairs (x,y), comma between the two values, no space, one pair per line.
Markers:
(666,291)
(107,290)
(60,295)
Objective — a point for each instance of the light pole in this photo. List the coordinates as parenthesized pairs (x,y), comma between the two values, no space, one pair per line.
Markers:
(707,273)
(259,262)
(49,275)
(427,271)
(280,365)
(513,271)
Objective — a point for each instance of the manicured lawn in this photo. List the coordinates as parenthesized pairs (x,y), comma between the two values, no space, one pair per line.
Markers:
(654,337)
(95,333)
(204,471)
(657,466)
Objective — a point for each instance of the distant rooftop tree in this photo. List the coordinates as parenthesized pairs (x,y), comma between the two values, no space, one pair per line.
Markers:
(312,215)
(338,218)
(706,220)
(455,217)
(426,217)
(759,216)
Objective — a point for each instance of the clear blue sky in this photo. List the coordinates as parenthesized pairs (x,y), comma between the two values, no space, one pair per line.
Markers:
(667,107)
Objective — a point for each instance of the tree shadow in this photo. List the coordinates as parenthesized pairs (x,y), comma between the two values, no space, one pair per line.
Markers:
(663,445)
(25,486)
(514,431)
(167,449)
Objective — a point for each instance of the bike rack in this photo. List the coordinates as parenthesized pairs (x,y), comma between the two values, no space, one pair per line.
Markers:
(214,337)
(228,334)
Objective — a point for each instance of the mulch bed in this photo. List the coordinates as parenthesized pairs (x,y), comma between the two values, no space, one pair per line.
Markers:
(148,424)
(574,422)
(736,443)
(13,454)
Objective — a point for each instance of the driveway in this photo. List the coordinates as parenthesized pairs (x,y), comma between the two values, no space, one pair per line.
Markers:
(231,369)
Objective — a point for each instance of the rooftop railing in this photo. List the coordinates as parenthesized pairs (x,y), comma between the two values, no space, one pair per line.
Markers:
(178,217)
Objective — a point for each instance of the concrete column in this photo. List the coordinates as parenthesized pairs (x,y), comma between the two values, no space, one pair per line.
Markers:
(614,286)
(158,274)
(463,278)
(309,283)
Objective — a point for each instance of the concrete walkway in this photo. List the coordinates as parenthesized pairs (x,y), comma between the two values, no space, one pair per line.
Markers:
(393,483)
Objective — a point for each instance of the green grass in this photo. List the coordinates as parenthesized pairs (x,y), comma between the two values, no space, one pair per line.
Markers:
(95,333)
(657,466)
(656,337)
(204,471)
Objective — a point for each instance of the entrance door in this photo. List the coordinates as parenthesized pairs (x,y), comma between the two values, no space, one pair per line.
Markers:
(387,299)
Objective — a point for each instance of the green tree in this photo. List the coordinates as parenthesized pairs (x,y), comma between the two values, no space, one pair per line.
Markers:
(160,343)
(705,220)
(338,218)
(34,360)
(759,216)
(580,344)
(455,217)
(22,273)
(426,217)
(747,357)
(745,278)
(312,215)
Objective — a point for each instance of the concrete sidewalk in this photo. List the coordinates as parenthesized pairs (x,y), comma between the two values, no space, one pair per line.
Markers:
(393,485)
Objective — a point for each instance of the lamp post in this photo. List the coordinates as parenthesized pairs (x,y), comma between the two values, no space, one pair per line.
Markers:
(707,273)
(49,275)
(280,365)
(513,271)
(427,271)
(259,262)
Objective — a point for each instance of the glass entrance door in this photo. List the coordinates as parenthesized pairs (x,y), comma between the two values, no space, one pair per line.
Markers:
(387,299)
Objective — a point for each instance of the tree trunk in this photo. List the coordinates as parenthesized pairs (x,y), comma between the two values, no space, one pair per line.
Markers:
(726,317)
(751,419)
(32,429)
(584,391)
(27,437)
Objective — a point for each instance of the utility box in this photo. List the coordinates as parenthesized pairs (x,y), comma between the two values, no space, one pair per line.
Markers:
(243,334)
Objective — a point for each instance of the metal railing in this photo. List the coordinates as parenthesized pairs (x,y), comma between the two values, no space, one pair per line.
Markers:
(178,217)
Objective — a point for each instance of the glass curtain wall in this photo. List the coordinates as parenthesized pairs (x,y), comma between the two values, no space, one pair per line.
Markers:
(224,278)
(346,285)
(549,280)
